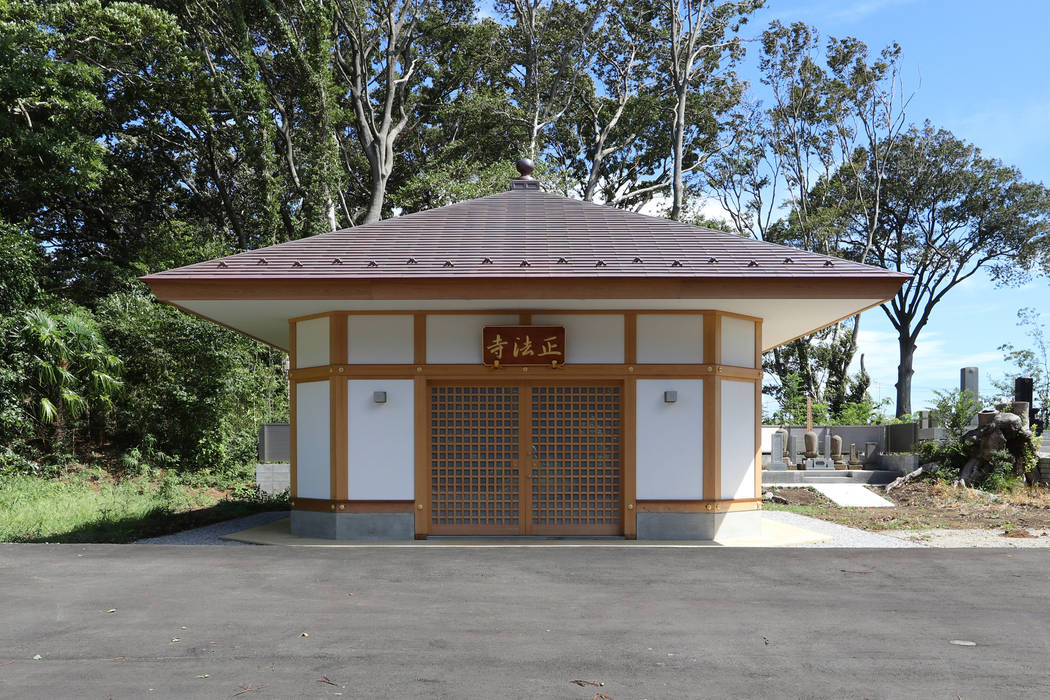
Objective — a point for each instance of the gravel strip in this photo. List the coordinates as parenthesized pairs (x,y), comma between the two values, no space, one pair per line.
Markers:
(972,538)
(841,535)
(210,534)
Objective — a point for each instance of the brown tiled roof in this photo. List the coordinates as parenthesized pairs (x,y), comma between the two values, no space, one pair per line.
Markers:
(522,234)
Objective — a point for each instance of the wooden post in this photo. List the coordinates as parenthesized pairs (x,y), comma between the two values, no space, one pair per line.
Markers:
(809,414)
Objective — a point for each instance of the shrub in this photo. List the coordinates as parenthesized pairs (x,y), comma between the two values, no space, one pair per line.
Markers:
(955,409)
(1002,476)
(195,392)
(950,455)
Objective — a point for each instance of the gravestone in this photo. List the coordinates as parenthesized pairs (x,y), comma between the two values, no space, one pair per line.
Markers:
(776,452)
(1024,390)
(968,380)
(836,452)
(794,448)
(870,451)
(819,463)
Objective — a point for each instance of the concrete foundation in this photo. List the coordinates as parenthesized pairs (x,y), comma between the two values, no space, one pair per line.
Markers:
(353,526)
(700,526)
(273,478)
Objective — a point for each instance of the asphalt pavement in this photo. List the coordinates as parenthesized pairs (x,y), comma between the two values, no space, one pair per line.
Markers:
(140,621)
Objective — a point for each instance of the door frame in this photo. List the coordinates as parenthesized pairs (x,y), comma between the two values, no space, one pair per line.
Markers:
(524,462)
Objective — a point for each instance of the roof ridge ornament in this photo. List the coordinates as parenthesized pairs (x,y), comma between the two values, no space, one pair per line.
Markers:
(525,181)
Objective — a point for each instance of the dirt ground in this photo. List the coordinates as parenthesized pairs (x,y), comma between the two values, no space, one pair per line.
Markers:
(928,504)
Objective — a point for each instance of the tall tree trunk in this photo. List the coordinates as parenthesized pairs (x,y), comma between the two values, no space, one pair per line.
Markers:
(377,187)
(906,342)
(677,184)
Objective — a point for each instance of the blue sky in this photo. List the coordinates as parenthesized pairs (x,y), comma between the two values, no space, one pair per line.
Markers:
(981,71)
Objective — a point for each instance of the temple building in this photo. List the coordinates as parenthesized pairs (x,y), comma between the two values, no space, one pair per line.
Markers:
(525,364)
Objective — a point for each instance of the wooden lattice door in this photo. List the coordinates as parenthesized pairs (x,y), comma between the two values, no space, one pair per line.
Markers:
(474,460)
(517,459)
(575,460)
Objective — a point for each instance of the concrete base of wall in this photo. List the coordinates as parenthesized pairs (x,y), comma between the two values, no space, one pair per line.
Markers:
(353,526)
(273,478)
(700,526)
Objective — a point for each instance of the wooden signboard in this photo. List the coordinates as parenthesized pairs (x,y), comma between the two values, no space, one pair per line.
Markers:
(523,345)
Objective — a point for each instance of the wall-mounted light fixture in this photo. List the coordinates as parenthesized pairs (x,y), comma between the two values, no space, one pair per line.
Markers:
(379,396)
(670,396)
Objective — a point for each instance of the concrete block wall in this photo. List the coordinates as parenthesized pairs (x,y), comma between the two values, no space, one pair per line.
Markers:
(273,478)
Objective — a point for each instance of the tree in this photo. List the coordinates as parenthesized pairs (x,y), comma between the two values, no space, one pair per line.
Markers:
(603,122)
(383,52)
(948,213)
(69,373)
(1033,361)
(551,48)
(194,391)
(694,47)
(816,157)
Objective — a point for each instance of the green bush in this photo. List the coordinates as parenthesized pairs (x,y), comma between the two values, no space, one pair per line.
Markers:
(955,409)
(61,375)
(195,392)
(1002,477)
(950,455)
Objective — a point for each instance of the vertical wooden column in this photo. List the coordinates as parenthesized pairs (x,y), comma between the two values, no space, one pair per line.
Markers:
(758,411)
(712,419)
(338,409)
(630,451)
(629,429)
(292,480)
(421,419)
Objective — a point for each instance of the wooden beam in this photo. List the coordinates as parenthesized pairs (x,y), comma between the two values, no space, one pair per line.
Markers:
(629,430)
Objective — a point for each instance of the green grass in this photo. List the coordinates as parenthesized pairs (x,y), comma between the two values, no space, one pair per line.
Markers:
(91,506)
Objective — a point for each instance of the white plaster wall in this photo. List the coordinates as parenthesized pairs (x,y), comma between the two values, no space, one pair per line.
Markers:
(381,446)
(669,445)
(738,342)
(380,340)
(767,437)
(738,439)
(311,342)
(455,339)
(670,338)
(313,474)
(589,338)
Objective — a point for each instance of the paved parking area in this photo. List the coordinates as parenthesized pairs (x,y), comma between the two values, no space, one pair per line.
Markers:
(138,621)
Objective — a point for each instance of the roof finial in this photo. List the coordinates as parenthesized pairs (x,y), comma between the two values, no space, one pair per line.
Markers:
(525,181)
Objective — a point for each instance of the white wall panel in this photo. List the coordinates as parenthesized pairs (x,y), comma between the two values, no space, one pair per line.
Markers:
(669,443)
(455,339)
(738,439)
(313,474)
(589,338)
(381,447)
(670,338)
(738,342)
(380,339)
(311,342)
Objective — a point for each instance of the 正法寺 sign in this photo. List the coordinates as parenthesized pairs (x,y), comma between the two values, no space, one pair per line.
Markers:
(523,345)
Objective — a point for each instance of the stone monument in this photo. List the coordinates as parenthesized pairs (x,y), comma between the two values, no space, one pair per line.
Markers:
(871,449)
(854,460)
(794,462)
(968,381)
(836,452)
(778,450)
(810,437)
